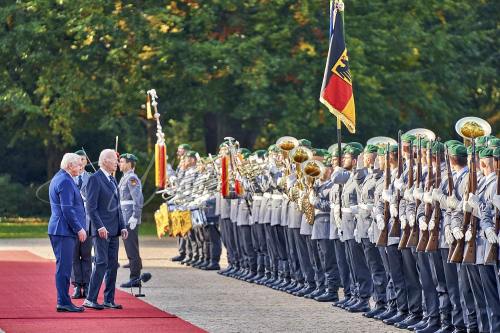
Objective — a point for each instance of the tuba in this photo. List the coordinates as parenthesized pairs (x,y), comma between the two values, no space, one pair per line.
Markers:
(381,141)
(470,128)
(422,133)
(312,169)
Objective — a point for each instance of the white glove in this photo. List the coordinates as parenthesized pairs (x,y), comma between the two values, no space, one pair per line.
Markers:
(336,214)
(312,198)
(403,221)
(491,235)
(411,220)
(380,222)
(474,201)
(132,223)
(452,202)
(437,196)
(339,232)
(387,195)
(457,233)
(468,235)
(394,210)
(399,184)
(408,195)
(467,208)
(422,225)
(418,193)
(448,235)
(370,229)
(496,201)
(432,223)
(427,197)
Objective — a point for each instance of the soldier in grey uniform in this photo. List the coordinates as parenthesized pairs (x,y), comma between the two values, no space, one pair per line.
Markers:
(82,257)
(131,202)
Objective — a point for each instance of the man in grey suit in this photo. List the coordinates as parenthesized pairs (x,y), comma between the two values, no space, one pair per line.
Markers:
(131,204)
(82,257)
(106,224)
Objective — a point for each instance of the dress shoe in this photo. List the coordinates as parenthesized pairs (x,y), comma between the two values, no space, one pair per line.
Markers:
(349,303)
(131,284)
(419,325)
(178,258)
(286,282)
(374,312)
(290,286)
(297,287)
(386,314)
(204,264)
(112,305)
(77,292)
(85,290)
(126,266)
(361,306)
(328,296)
(92,305)
(69,308)
(472,330)
(185,260)
(398,317)
(225,270)
(264,279)
(430,328)
(257,277)
(410,320)
(211,267)
(308,288)
(342,301)
(446,329)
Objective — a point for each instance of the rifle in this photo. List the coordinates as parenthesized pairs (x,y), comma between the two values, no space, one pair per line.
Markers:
(492,249)
(384,234)
(469,219)
(424,237)
(414,233)
(396,225)
(406,232)
(433,243)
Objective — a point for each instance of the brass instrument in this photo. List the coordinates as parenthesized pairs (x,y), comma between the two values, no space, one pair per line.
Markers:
(470,128)
(286,144)
(299,155)
(381,141)
(422,133)
(313,169)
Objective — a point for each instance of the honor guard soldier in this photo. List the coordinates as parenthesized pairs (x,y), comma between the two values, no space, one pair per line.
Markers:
(131,203)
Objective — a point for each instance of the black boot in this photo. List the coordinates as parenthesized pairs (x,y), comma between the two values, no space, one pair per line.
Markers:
(77,291)
(330,295)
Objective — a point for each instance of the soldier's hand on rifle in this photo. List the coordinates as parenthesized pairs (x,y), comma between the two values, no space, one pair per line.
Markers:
(418,193)
(394,210)
(491,235)
(448,235)
(428,197)
(432,223)
(411,220)
(421,223)
(457,233)
(399,184)
(387,195)
(468,235)
(438,196)
(380,222)
(466,207)
(404,221)
(452,202)
(496,201)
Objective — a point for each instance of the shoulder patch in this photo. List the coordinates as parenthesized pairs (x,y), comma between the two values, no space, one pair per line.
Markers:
(134,181)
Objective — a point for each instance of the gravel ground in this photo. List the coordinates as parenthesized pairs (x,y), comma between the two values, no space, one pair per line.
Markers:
(219,304)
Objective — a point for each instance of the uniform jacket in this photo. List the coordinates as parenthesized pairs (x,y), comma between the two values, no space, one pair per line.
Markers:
(131,196)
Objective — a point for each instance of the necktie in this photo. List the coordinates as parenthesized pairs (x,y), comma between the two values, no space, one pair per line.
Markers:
(113,181)
(80,182)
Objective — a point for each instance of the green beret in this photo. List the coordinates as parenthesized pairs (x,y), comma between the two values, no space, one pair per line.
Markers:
(486,152)
(245,151)
(184,146)
(273,148)
(356,144)
(458,150)
(191,153)
(260,152)
(129,157)
(494,143)
(450,143)
(305,143)
(437,147)
(483,140)
(393,148)
(424,143)
(80,152)
(408,138)
(328,160)
(381,151)
(352,150)
(371,149)
(320,152)
(336,152)
(478,150)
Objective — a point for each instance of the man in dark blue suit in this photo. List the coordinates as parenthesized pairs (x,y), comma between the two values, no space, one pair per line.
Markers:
(106,224)
(67,221)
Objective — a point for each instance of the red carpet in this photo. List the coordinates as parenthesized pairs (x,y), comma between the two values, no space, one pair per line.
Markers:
(28,301)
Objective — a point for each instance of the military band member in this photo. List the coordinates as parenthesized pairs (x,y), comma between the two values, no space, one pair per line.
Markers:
(82,257)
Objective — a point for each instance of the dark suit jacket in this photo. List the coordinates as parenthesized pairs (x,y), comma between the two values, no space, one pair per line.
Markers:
(66,204)
(103,205)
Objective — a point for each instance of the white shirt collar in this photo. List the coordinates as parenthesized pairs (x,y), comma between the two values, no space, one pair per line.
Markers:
(107,174)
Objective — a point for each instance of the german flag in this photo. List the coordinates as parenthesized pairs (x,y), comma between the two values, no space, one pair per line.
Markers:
(336,89)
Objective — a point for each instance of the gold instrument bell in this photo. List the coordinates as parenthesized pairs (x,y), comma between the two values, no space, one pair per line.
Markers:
(301,154)
(470,128)
(287,143)
(313,169)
